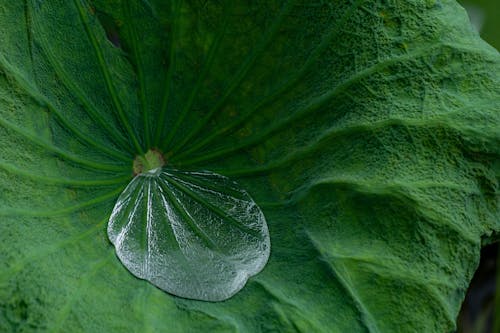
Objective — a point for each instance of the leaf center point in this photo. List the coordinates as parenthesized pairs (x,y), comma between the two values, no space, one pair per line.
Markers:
(152,160)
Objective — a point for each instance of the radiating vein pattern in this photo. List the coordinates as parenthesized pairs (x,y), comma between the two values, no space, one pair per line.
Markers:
(366,131)
(194,234)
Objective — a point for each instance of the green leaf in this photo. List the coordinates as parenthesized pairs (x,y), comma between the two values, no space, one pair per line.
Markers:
(366,131)
(193,234)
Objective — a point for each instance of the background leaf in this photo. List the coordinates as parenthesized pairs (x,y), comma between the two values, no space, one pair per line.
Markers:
(367,131)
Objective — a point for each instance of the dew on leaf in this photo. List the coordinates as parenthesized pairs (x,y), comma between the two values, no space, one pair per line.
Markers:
(193,234)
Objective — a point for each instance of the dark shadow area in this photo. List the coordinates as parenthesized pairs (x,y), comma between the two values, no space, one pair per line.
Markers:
(478,310)
(111,28)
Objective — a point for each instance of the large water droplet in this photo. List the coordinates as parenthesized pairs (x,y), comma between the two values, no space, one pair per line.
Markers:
(193,234)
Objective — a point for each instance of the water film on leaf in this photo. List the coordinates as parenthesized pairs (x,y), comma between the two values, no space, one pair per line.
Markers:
(193,234)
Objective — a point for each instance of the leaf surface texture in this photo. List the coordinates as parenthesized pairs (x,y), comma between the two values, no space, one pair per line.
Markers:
(366,132)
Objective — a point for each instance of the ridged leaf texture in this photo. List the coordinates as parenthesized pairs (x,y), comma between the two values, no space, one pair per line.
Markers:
(367,132)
